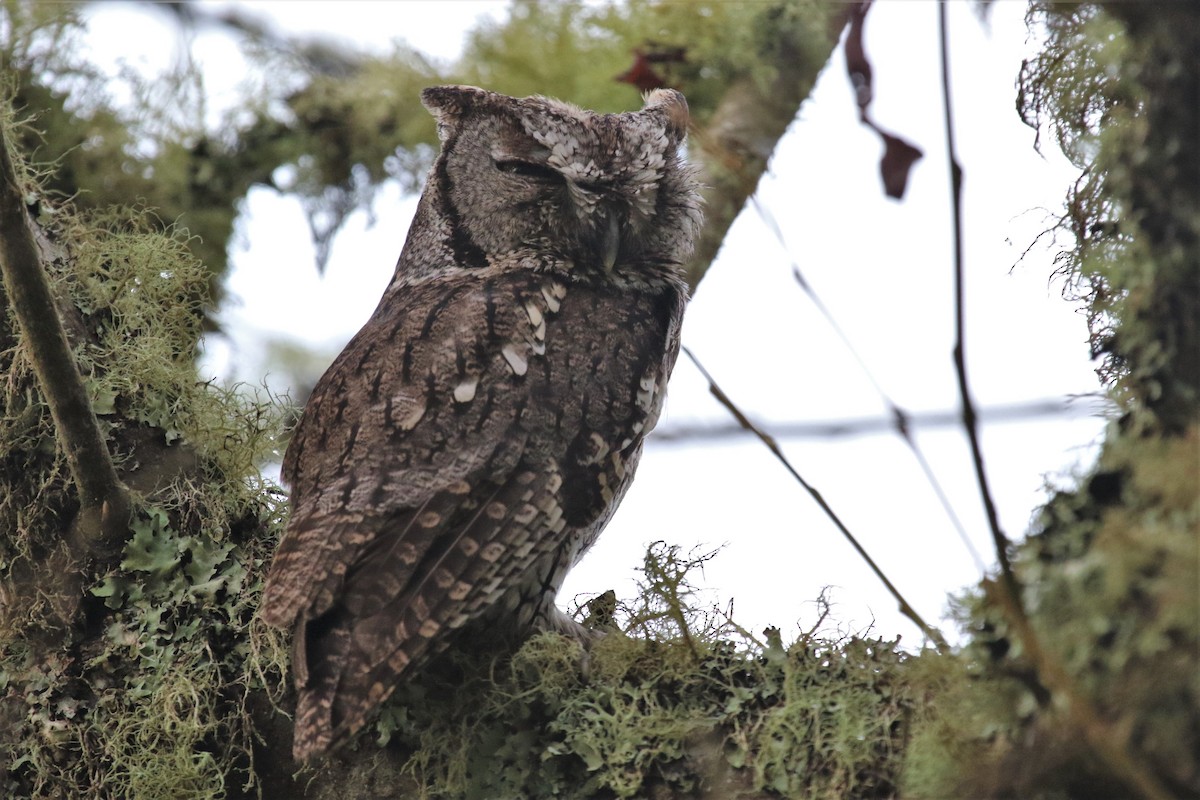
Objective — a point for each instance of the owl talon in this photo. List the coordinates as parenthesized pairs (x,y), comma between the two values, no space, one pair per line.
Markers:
(585,635)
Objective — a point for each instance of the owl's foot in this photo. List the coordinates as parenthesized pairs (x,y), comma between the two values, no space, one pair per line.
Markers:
(565,625)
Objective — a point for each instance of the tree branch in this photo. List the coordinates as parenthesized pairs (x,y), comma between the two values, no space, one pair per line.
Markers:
(736,144)
(102,522)
(970,419)
(931,633)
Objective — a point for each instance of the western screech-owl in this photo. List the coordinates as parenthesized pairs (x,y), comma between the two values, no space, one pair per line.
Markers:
(472,440)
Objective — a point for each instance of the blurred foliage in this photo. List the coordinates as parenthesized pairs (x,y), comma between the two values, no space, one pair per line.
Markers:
(582,48)
(150,150)
(330,125)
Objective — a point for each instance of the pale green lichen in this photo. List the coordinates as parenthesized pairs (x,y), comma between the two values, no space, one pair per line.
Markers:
(139,689)
(664,712)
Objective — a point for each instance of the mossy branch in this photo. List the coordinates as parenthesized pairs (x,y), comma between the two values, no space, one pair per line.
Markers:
(102,522)
(736,144)
(1108,743)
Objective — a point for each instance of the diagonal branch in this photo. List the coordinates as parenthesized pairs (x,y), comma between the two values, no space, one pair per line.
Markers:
(905,608)
(901,420)
(102,522)
(736,144)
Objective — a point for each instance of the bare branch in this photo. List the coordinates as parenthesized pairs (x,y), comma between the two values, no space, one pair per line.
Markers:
(900,420)
(905,608)
(863,426)
(969,417)
(102,522)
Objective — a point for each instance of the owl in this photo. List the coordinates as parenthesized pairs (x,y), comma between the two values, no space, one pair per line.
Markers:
(474,438)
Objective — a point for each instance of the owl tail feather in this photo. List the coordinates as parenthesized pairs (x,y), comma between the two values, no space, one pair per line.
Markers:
(316,686)
(315,733)
(334,697)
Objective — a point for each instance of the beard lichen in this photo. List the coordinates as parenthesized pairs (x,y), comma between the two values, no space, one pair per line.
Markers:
(137,684)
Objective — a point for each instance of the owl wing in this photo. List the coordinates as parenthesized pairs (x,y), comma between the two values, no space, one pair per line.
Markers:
(422,399)
(399,604)
(403,534)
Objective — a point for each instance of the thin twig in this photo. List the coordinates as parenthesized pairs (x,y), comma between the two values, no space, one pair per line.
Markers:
(969,418)
(102,522)
(905,608)
(1108,744)
(900,420)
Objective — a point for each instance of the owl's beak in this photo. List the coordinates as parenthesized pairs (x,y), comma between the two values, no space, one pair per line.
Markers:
(611,243)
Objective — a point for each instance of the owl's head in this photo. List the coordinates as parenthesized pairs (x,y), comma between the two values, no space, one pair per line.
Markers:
(538,181)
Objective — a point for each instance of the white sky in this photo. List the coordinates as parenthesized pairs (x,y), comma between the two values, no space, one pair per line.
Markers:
(883,268)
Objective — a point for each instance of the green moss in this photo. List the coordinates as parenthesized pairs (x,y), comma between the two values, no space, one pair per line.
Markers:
(1133,214)
(679,709)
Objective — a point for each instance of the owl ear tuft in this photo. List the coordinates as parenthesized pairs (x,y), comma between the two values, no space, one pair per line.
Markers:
(449,103)
(674,110)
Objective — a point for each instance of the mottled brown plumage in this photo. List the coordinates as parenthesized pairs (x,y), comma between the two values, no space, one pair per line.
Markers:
(476,435)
